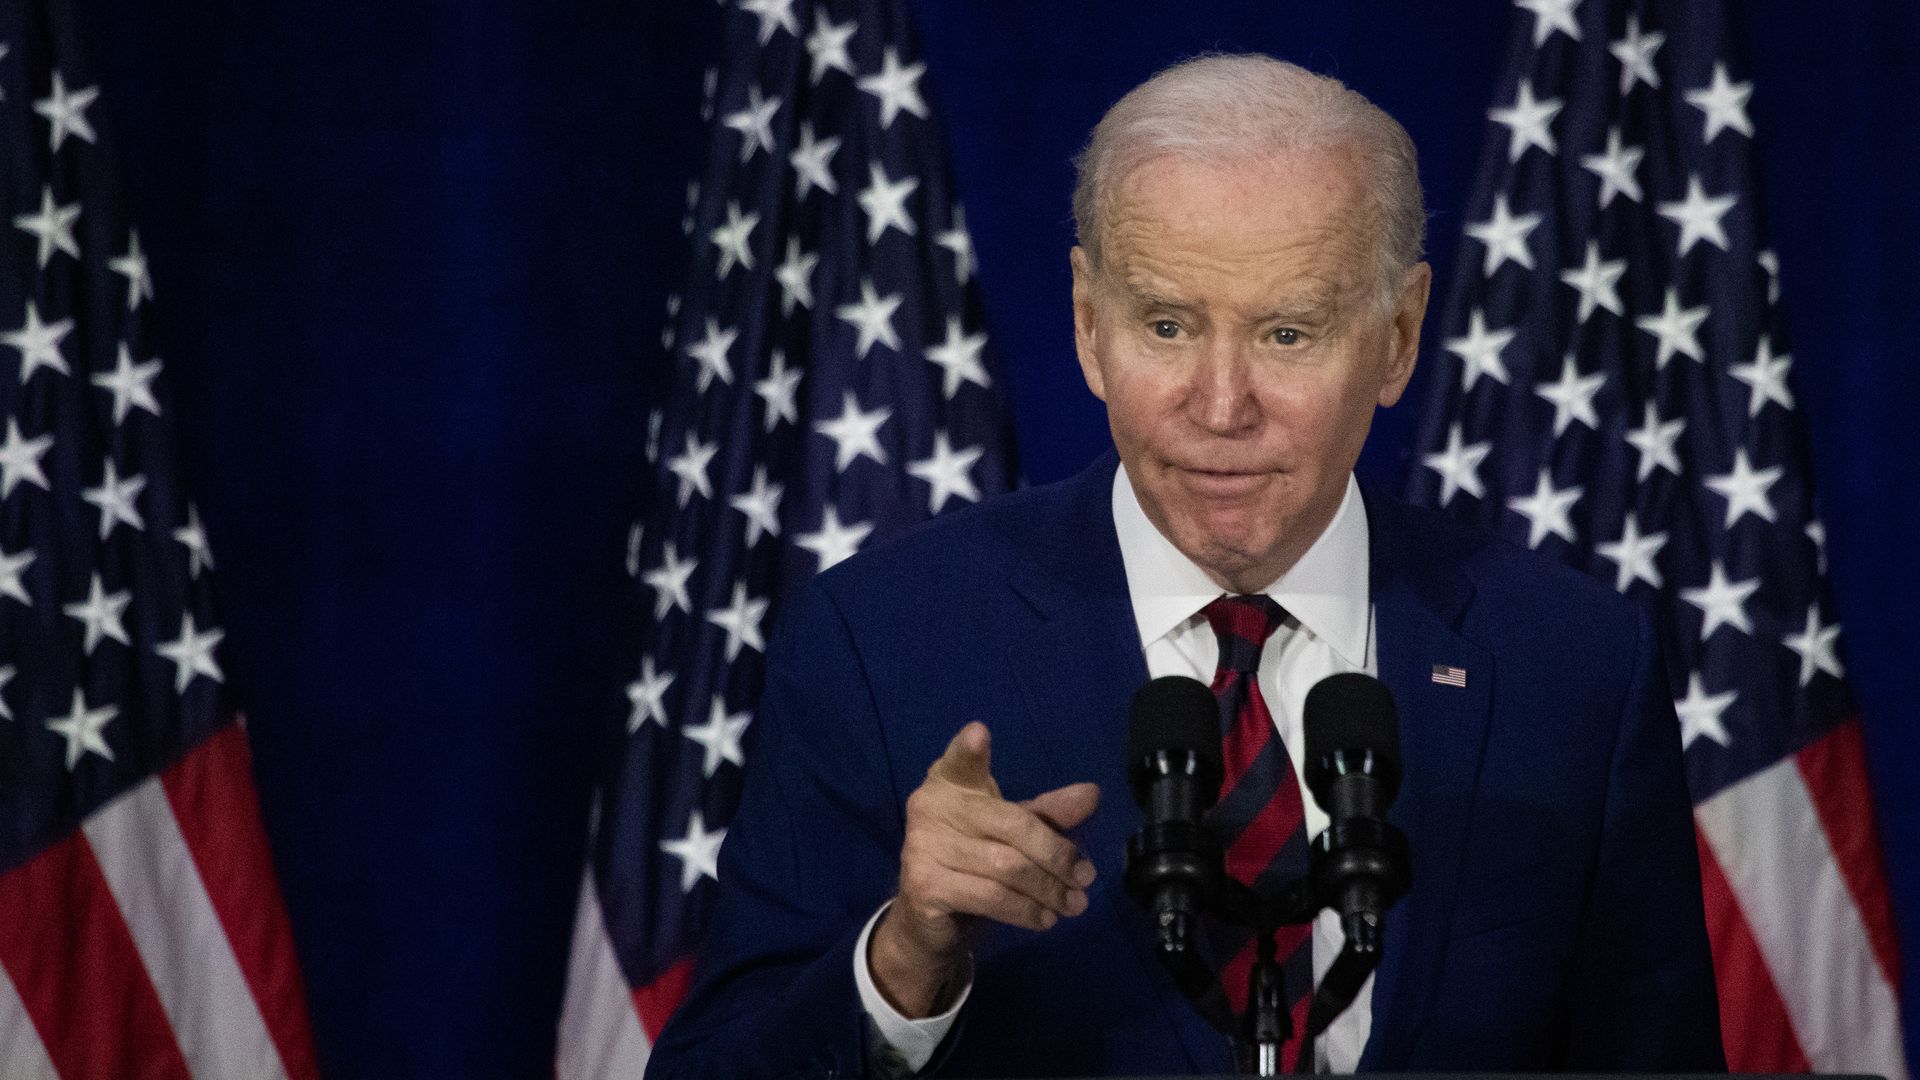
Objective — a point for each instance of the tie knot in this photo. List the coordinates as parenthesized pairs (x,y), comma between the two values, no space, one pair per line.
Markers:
(1242,625)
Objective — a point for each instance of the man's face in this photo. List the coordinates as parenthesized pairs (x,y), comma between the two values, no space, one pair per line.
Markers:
(1234,331)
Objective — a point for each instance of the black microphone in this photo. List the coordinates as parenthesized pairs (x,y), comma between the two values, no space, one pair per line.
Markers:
(1360,864)
(1175,864)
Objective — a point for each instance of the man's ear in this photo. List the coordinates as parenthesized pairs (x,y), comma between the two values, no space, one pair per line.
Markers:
(1085,340)
(1404,341)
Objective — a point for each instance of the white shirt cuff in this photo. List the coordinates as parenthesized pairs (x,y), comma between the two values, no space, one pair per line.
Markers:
(903,1046)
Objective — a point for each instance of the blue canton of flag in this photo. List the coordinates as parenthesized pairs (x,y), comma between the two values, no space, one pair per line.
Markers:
(141,931)
(832,386)
(1614,392)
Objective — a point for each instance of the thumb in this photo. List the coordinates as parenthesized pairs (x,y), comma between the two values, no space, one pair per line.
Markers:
(967,762)
(1065,807)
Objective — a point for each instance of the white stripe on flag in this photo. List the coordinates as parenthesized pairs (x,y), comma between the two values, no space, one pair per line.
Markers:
(154,880)
(22,1055)
(600,1033)
(1767,836)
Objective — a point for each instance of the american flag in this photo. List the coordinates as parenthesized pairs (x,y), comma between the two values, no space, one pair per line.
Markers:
(1614,391)
(141,931)
(831,385)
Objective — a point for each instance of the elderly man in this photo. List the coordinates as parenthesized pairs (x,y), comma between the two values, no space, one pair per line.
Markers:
(925,872)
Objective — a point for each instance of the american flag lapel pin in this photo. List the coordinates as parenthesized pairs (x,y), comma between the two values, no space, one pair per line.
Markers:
(1450,676)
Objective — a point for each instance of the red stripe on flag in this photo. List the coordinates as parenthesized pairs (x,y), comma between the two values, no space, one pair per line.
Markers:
(1754,1025)
(1835,771)
(657,1000)
(73,960)
(211,791)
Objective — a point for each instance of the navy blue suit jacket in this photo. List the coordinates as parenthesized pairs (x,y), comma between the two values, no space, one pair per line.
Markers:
(1555,919)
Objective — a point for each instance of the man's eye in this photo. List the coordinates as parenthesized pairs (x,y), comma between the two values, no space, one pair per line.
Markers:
(1286,335)
(1166,328)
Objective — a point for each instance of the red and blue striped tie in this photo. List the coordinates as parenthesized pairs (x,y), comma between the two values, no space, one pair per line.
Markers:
(1260,816)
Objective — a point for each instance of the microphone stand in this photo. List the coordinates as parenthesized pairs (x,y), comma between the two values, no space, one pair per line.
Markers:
(1355,854)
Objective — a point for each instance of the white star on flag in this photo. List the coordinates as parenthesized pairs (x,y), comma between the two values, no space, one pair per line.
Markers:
(1618,169)
(1552,15)
(855,433)
(719,737)
(648,696)
(6,676)
(1505,237)
(66,113)
(1572,396)
(1480,352)
(1698,216)
(1635,53)
(20,459)
(12,566)
(691,467)
(872,316)
(1745,488)
(133,267)
(1700,713)
(1547,510)
(698,852)
(761,505)
(669,582)
(115,499)
(1634,554)
(1722,602)
(794,275)
(130,384)
(811,162)
(1767,378)
(827,45)
(82,728)
(1677,328)
(100,613)
(191,653)
(733,239)
(1817,646)
(834,543)
(1597,282)
(754,123)
(39,343)
(959,241)
(1725,104)
(946,472)
(52,225)
(779,390)
(741,621)
(1655,440)
(773,15)
(885,203)
(1458,466)
(959,359)
(1528,122)
(711,352)
(199,555)
(897,87)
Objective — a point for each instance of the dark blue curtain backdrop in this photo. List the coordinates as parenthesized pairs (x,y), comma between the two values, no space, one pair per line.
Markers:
(411,259)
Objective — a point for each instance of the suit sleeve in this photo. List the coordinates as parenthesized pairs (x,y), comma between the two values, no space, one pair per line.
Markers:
(1642,993)
(812,852)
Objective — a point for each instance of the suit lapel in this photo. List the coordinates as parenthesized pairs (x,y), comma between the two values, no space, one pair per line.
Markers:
(1419,596)
(1077,671)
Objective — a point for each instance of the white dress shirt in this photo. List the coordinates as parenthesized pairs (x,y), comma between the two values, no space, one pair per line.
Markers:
(1329,629)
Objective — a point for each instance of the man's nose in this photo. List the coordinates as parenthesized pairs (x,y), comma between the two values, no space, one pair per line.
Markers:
(1222,400)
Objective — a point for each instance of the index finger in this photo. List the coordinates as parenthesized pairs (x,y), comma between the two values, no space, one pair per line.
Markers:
(967,761)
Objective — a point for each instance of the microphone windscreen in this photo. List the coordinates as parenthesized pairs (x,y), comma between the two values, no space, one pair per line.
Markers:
(1352,712)
(1175,713)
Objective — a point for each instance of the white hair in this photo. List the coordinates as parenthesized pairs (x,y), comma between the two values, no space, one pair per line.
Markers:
(1235,108)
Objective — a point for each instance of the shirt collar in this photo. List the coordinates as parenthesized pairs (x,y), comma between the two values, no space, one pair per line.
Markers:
(1327,590)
